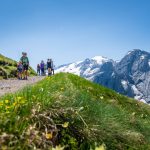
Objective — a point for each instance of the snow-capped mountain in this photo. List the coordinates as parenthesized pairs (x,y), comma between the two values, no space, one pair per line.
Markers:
(129,76)
(87,68)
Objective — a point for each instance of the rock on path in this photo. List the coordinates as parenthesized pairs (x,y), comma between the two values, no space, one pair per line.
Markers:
(13,85)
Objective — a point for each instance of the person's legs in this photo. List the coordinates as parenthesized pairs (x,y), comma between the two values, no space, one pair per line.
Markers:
(18,74)
(53,71)
(39,72)
(25,71)
(21,75)
(26,74)
(49,71)
(42,71)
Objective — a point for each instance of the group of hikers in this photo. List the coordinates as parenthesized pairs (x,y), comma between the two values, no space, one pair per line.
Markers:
(42,67)
(23,67)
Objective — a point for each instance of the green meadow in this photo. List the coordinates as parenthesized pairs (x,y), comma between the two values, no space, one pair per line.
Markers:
(68,112)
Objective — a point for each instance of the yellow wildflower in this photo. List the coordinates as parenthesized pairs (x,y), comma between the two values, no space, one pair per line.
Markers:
(6,101)
(102,147)
(58,148)
(19,98)
(62,89)
(1,104)
(22,101)
(65,125)
(7,107)
(4,147)
(14,104)
(101,97)
(49,136)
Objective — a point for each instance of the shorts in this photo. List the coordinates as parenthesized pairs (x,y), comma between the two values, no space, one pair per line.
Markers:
(25,67)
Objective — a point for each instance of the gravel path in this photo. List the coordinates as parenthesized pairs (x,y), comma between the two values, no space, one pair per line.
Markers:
(13,85)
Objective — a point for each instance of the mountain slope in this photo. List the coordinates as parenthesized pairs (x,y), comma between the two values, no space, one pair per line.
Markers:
(75,113)
(8,68)
(130,76)
(134,69)
(87,68)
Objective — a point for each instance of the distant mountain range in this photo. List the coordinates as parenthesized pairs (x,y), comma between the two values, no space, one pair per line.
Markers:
(130,76)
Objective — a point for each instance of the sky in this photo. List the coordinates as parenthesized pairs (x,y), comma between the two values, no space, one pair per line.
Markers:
(72,30)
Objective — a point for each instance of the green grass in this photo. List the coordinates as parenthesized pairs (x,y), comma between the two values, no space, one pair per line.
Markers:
(72,112)
(8,68)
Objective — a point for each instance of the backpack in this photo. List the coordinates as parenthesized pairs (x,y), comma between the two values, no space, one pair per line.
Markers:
(25,60)
(49,64)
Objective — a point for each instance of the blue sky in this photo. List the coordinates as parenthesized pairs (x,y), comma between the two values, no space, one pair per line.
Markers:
(72,30)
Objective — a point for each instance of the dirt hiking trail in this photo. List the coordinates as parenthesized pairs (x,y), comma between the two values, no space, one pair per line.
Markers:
(13,85)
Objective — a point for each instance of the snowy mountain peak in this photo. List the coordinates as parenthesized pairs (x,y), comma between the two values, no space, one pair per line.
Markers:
(86,68)
(134,51)
(137,52)
(100,59)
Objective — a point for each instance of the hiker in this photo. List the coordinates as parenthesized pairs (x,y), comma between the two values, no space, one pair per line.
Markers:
(45,68)
(38,69)
(52,66)
(20,70)
(42,66)
(49,67)
(25,62)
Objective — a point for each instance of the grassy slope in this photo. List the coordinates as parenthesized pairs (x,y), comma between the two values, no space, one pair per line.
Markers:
(68,110)
(8,67)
